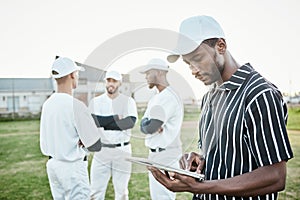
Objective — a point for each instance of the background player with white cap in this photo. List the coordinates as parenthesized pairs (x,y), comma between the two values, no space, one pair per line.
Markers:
(117,114)
(243,145)
(66,126)
(162,123)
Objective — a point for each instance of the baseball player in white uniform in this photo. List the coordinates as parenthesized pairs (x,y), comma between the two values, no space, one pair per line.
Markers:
(117,114)
(66,128)
(162,123)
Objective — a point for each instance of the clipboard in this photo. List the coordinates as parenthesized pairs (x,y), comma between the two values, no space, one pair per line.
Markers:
(146,162)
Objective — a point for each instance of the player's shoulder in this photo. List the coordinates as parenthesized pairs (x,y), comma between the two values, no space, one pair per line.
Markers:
(78,102)
(170,94)
(59,99)
(79,106)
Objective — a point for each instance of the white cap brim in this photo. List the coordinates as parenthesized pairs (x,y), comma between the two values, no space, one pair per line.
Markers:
(172,58)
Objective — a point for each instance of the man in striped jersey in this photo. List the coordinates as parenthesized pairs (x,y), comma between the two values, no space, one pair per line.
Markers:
(243,141)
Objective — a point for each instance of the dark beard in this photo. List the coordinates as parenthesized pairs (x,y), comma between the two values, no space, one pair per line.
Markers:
(111,91)
(151,85)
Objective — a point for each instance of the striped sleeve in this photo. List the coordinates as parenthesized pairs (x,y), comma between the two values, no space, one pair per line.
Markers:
(266,129)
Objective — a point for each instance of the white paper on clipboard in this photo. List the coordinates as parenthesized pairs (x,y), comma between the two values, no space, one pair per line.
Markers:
(146,162)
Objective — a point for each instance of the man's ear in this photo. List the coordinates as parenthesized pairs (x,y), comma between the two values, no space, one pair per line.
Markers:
(73,75)
(221,46)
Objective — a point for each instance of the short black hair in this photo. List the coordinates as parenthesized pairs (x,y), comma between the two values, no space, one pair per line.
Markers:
(54,72)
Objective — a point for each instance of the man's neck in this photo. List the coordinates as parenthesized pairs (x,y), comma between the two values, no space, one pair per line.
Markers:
(161,87)
(231,66)
(64,89)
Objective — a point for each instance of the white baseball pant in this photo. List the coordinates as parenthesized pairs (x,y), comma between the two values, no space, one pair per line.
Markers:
(110,162)
(68,180)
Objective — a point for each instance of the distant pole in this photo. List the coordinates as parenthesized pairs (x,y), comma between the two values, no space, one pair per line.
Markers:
(13,98)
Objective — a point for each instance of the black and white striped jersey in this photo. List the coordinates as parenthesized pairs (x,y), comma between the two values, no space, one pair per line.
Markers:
(242,127)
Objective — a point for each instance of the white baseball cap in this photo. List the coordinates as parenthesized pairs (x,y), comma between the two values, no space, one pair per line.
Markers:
(64,66)
(193,31)
(114,75)
(155,63)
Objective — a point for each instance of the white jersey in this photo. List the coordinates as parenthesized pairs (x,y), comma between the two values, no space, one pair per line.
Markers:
(122,105)
(165,106)
(65,120)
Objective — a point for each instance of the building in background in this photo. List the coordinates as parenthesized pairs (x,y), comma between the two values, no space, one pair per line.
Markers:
(23,96)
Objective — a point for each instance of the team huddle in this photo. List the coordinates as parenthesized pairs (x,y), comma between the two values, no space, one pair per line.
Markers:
(243,142)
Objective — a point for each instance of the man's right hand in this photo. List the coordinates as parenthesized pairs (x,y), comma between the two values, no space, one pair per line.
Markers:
(192,162)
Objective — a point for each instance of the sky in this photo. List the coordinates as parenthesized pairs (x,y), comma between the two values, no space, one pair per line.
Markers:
(262,32)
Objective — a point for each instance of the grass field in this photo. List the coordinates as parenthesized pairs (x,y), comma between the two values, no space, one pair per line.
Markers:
(22,166)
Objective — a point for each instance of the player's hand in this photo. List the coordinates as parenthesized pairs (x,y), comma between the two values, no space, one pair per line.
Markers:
(160,130)
(120,117)
(80,144)
(192,162)
(174,182)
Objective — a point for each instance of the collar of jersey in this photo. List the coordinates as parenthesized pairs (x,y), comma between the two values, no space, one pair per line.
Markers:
(237,78)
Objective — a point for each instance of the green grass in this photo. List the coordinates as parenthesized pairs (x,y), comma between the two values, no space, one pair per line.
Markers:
(294,118)
(22,167)
(293,171)
(23,173)
(19,127)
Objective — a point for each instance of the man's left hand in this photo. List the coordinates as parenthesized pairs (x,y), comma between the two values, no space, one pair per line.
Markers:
(176,182)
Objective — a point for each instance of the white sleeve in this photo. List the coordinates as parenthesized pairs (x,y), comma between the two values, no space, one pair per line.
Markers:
(157,112)
(170,112)
(91,106)
(87,130)
(43,144)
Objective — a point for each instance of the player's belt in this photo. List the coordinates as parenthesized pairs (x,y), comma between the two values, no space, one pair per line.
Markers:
(84,158)
(157,149)
(115,145)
